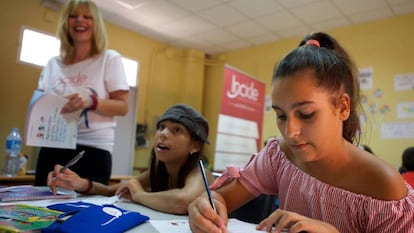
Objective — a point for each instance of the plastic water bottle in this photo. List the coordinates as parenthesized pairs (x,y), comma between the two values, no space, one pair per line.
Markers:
(13,148)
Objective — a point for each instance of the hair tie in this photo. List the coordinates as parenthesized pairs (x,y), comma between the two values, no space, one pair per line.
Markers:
(313,42)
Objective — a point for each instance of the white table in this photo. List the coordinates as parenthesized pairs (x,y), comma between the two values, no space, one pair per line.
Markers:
(152,214)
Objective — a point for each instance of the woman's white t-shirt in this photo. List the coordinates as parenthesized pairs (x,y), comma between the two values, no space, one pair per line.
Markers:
(102,74)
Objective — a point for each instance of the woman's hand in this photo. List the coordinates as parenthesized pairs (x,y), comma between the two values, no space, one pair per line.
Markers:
(68,180)
(296,223)
(202,217)
(76,102)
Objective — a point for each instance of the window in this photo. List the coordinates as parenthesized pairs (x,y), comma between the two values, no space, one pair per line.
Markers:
(38,47)
(131,71)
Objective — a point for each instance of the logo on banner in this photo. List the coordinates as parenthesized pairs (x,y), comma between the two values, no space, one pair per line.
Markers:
(242,90)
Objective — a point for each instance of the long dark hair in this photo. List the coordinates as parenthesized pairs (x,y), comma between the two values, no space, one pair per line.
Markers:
(159,177)
(333,70)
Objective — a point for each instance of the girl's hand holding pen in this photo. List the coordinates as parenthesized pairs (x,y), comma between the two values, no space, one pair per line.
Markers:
(203,217)
(53,177)
(68,180)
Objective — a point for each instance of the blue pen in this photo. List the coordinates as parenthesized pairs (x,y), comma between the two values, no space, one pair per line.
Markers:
(203,174)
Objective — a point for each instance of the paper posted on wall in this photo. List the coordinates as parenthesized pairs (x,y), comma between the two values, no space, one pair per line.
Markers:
(46,126)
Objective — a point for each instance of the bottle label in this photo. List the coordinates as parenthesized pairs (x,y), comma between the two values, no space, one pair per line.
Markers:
(14,145)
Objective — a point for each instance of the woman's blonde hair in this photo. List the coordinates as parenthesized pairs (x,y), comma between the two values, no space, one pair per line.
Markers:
(99,40)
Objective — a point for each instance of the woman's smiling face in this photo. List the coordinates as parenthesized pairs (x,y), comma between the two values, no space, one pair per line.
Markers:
(80,25)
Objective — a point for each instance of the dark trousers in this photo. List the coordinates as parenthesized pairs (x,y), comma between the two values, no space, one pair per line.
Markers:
(96,164)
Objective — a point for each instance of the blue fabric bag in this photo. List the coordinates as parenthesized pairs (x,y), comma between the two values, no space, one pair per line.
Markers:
(87,217)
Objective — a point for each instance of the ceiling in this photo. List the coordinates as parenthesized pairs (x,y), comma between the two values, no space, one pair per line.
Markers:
(217,26)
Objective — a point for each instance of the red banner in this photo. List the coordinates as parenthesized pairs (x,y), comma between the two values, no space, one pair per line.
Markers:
(241,118)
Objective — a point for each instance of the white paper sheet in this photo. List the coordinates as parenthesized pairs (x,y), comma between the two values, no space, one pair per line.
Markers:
(181,226)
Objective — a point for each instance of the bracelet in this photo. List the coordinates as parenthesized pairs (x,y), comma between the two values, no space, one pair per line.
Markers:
(90,184)
(94,101)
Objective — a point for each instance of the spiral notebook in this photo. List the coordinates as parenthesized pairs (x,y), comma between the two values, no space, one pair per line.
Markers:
(28,192)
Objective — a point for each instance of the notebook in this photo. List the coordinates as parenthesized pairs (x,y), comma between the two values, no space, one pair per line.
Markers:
(28,192)
(16,218)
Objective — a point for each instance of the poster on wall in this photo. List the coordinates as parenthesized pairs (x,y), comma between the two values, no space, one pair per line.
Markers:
(239,130)
(404,82)
(365,78)
(405,110)
(397,130)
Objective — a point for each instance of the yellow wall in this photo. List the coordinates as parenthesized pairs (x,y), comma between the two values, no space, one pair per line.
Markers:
(166,75)
(385,45)
(170,75)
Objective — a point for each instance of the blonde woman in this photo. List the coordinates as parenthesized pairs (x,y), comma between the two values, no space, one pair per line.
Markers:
(93,80)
